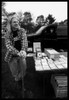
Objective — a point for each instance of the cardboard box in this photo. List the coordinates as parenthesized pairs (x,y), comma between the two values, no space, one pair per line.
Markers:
(51,53)
(59,84)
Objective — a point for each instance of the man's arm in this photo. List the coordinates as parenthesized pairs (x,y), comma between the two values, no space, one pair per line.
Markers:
(39,31)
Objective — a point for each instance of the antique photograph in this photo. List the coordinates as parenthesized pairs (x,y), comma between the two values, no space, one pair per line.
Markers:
(34,50)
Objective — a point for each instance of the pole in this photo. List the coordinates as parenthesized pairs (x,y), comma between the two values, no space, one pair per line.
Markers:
(22,78)
(23,68)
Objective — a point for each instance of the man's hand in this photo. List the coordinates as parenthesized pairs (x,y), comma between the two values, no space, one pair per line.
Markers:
(22,53)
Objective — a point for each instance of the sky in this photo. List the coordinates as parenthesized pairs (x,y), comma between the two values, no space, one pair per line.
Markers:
(57,9)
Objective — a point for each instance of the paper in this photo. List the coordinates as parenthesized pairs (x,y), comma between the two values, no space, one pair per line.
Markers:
(39,68)
(29,49)
(62,59)
(60,66)
(30,55)
(62,56)
(36,45)
(44,61)
(46,67)
(52,66)
(37,61)
(57,62)
(65,65)
(50,61)
(43,54)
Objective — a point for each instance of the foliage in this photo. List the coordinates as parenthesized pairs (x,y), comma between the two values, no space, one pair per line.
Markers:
(26,19)
(4,12)
(65,22)
(20,16)
(4,19)
(50,18)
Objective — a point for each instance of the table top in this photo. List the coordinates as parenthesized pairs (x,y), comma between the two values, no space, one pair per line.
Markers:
(44,64)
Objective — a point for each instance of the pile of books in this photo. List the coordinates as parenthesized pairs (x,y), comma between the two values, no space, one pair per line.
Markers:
(48,64)
(59,84)
(50,60)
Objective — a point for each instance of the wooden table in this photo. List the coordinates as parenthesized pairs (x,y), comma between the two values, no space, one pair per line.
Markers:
(45,74)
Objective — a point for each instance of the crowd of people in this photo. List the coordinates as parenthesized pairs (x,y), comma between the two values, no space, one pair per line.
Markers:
(26,22)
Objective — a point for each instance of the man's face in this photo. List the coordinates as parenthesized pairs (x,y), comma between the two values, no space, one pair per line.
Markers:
(15,23)
(40,21)
(27,19)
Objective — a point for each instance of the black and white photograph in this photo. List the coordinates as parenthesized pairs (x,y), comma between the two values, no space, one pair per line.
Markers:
(34,50)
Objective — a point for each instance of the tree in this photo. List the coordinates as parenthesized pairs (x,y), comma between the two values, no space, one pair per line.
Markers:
(50,19)
(65,22)
(20,16)
(61,23)
(4,18)
(4,12)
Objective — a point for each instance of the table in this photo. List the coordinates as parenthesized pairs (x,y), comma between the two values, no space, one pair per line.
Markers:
(45,74)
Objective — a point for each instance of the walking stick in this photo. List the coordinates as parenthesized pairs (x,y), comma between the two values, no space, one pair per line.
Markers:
(22,79)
